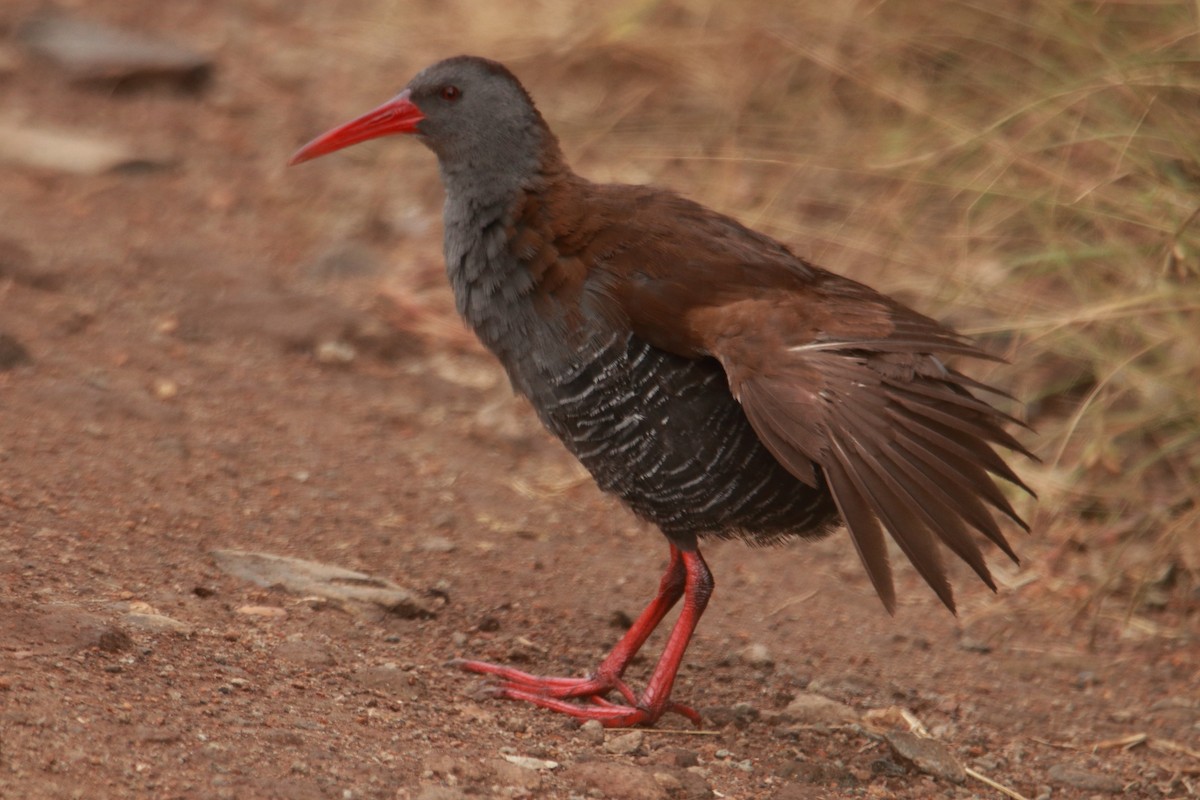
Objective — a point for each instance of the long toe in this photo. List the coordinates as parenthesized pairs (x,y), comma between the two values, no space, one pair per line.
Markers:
(556,694)
(610,715)
(545,685)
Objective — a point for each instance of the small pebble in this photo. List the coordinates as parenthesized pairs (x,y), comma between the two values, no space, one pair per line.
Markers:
(165,388)
(679,757)
(671,783)
(927,755)
(757,655)
(334,352)
(809,708)
(437,544)
(624,744)
(263,612)
(527,762)
(592,731)
(973,645)
(1080,778)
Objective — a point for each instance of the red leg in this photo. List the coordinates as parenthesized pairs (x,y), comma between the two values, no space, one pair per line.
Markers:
(688,576)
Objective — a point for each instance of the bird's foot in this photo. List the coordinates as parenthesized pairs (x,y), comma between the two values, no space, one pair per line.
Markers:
(554,693)
(596,685)
(610,715)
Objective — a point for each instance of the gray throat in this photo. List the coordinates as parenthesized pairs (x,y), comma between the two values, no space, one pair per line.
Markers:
(491,287)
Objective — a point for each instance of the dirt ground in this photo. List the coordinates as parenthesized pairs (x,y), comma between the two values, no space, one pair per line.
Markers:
(220,353)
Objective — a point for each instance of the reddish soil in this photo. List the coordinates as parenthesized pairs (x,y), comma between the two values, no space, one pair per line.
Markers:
(225,354)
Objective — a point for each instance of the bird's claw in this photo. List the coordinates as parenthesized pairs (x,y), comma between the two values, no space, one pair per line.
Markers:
(556,693)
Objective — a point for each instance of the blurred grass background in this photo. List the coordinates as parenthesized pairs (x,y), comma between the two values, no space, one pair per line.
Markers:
(1028,171)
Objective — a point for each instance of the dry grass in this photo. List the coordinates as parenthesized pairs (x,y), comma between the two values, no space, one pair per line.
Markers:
(1028,170)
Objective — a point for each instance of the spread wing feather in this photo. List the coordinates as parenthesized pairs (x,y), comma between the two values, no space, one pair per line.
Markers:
(901,440)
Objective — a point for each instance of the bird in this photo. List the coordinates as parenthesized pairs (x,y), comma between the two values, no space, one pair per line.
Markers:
(717,383)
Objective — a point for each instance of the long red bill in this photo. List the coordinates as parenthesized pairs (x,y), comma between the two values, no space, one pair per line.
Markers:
(398,115)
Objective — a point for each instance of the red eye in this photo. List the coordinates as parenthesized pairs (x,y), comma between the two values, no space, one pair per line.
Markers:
(451,93)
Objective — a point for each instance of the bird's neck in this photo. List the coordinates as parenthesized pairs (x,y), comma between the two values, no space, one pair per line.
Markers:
(478,196)
(492,289)
(481,184)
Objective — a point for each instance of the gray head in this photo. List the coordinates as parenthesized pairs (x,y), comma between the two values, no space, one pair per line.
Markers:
(472,112)
(475,111)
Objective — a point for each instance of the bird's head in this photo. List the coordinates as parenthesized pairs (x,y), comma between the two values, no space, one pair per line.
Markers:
(470,111)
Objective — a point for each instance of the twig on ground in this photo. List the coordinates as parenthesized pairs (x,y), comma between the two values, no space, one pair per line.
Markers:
(1124,742)
(915,725)
(1057,745)
(1174,747)
(791,601)
(999,787)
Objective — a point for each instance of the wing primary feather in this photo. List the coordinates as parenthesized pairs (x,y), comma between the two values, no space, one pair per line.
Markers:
(968,382)
(937,508)
(950,393)
(974,428)
(944,519)
(969,448)
(864,532)
(914,538)
(963,502)
(970,475)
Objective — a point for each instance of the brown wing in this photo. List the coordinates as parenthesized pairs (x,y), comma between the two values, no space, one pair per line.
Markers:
(900,438)
(831,375)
